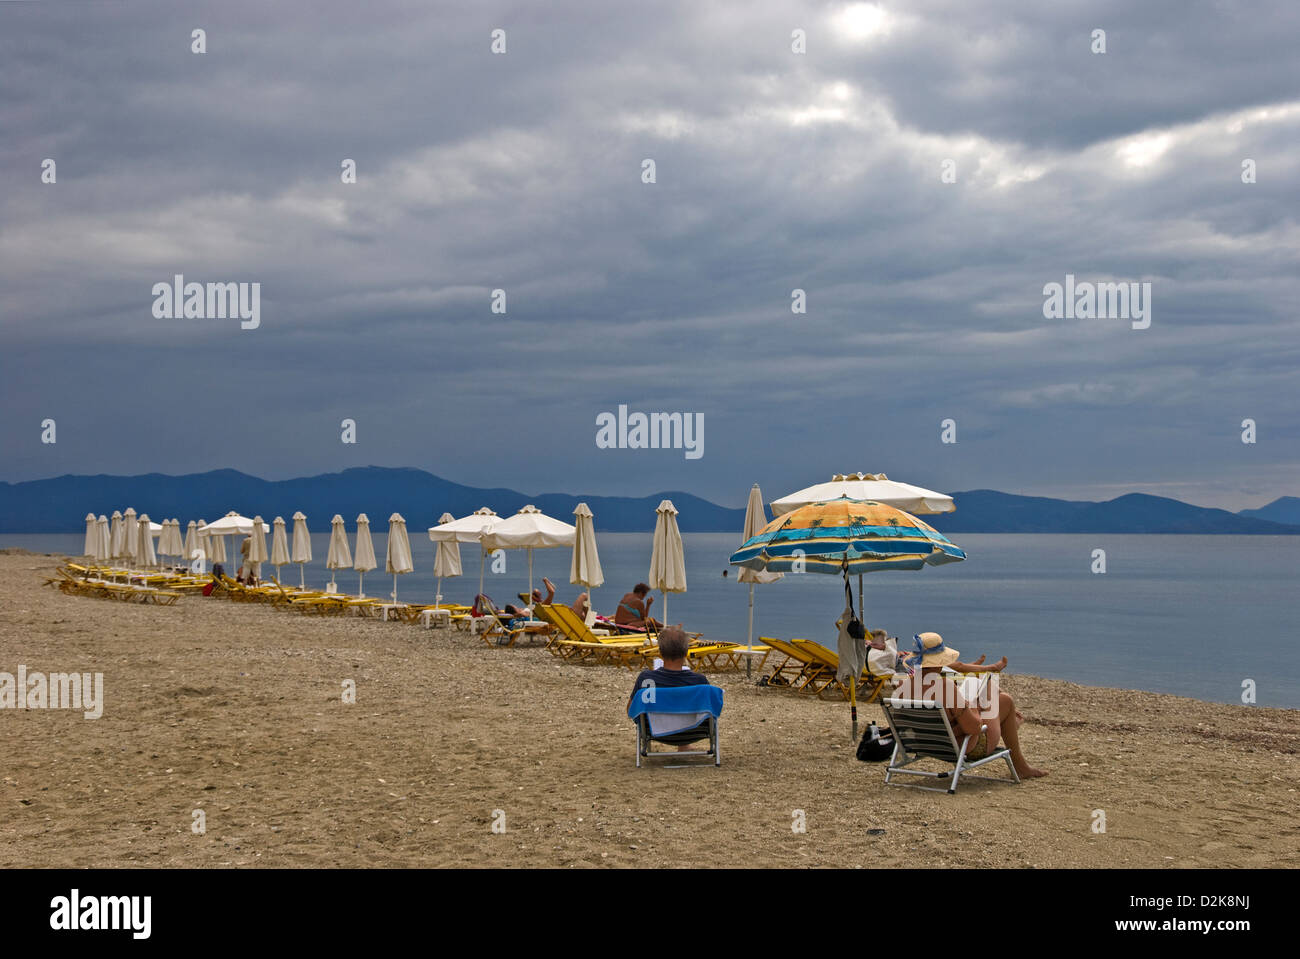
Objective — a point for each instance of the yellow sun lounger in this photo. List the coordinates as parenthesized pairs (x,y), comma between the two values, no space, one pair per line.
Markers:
(870,685)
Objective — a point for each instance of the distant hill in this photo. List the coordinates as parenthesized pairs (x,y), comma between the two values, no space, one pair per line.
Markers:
(988,511)
(60,505)
(1283,510)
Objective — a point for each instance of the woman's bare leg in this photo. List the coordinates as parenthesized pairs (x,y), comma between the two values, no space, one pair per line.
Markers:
(1009,720)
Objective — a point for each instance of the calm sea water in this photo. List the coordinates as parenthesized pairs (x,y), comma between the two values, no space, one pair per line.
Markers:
(1191,615)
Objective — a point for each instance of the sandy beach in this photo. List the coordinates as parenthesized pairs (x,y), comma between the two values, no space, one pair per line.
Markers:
(236,710)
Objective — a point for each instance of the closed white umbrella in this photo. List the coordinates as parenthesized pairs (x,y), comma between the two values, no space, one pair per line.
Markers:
(667,557)
(529,529)
(144,550)
(365,553)
(257,554)
(103,540)
(279,546)
(301,546)
(91,537)
(191,542)
(214,546)
(130,536)
(399,550)
(584,570)
(467,529)
(116,541)
(755,520)
(447,562)
(340,554)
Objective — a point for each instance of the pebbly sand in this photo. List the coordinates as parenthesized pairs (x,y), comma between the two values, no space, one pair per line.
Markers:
(236,710)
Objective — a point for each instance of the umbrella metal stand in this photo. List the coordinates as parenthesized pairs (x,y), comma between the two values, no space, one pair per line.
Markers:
(749,658)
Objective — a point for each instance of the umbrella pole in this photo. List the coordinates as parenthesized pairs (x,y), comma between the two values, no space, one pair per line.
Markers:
(530,580)
(853,704)
(302,575)
(749,659)
(361,584)
(437,596)
(394,587)
(482,558)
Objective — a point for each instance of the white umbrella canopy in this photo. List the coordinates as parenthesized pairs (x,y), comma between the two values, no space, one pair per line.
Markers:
(755,520)
(467,529)
(340,554)
(667,557)
(130,536)
(447,562)
(92,536)
(301,546)
(867,486)
(232,524)
(257,554)
(584,569)
(116,544)
(529,529)
(214,546)
(365,553)
(144,550)
(279,546)
(398,559)
(191,541)
(103,540)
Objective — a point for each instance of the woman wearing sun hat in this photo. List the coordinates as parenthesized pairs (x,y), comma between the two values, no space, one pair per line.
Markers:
(929,657)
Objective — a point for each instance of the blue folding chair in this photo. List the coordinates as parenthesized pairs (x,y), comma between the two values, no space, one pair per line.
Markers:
(676,716)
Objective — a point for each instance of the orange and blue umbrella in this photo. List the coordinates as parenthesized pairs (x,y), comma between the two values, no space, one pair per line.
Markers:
(846,535)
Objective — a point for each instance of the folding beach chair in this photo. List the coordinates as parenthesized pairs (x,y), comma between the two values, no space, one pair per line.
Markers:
(922,731)
(676,716)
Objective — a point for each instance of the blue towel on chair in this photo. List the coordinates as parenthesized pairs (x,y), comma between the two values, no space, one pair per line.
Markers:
(676,708)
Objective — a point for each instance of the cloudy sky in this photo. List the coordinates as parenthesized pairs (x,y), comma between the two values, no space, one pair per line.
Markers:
(775,171)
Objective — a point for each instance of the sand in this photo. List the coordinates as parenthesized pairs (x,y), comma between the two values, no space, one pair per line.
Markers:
(236,710)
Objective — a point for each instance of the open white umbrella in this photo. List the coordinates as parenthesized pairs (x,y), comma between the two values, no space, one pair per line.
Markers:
(116,541)
(584,570)
(301,547)
(399,550)
(144,550)
(340,554)
(103,540)
(447,562)
(667,557)
(867,486)
(529,529)
(467,529)
(232,524)
(279,547)
(91,537)
(365,553)
(755,520)
(130,537)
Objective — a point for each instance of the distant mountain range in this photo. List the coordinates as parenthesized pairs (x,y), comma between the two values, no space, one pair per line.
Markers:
(60,505)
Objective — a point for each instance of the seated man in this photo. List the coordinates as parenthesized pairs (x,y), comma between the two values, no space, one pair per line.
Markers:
(999,714)
(634,609)
(673,644)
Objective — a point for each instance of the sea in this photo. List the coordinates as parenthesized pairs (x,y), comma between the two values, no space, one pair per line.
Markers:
(1215,618)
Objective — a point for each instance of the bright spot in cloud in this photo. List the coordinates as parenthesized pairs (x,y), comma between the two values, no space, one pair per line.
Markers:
(862,21)
(1144,149)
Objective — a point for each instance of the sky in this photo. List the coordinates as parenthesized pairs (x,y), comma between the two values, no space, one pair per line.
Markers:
(921,171)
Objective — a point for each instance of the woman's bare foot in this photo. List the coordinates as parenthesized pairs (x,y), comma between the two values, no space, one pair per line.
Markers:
(980,661)
(1029,772)
(1000,665)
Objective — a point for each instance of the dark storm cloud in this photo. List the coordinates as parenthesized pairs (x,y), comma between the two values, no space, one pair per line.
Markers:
(775,171)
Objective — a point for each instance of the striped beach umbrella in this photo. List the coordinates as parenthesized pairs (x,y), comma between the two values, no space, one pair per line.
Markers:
(846,536)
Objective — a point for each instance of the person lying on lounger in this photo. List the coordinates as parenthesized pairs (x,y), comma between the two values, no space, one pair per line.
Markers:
(999,713)
(526,611)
